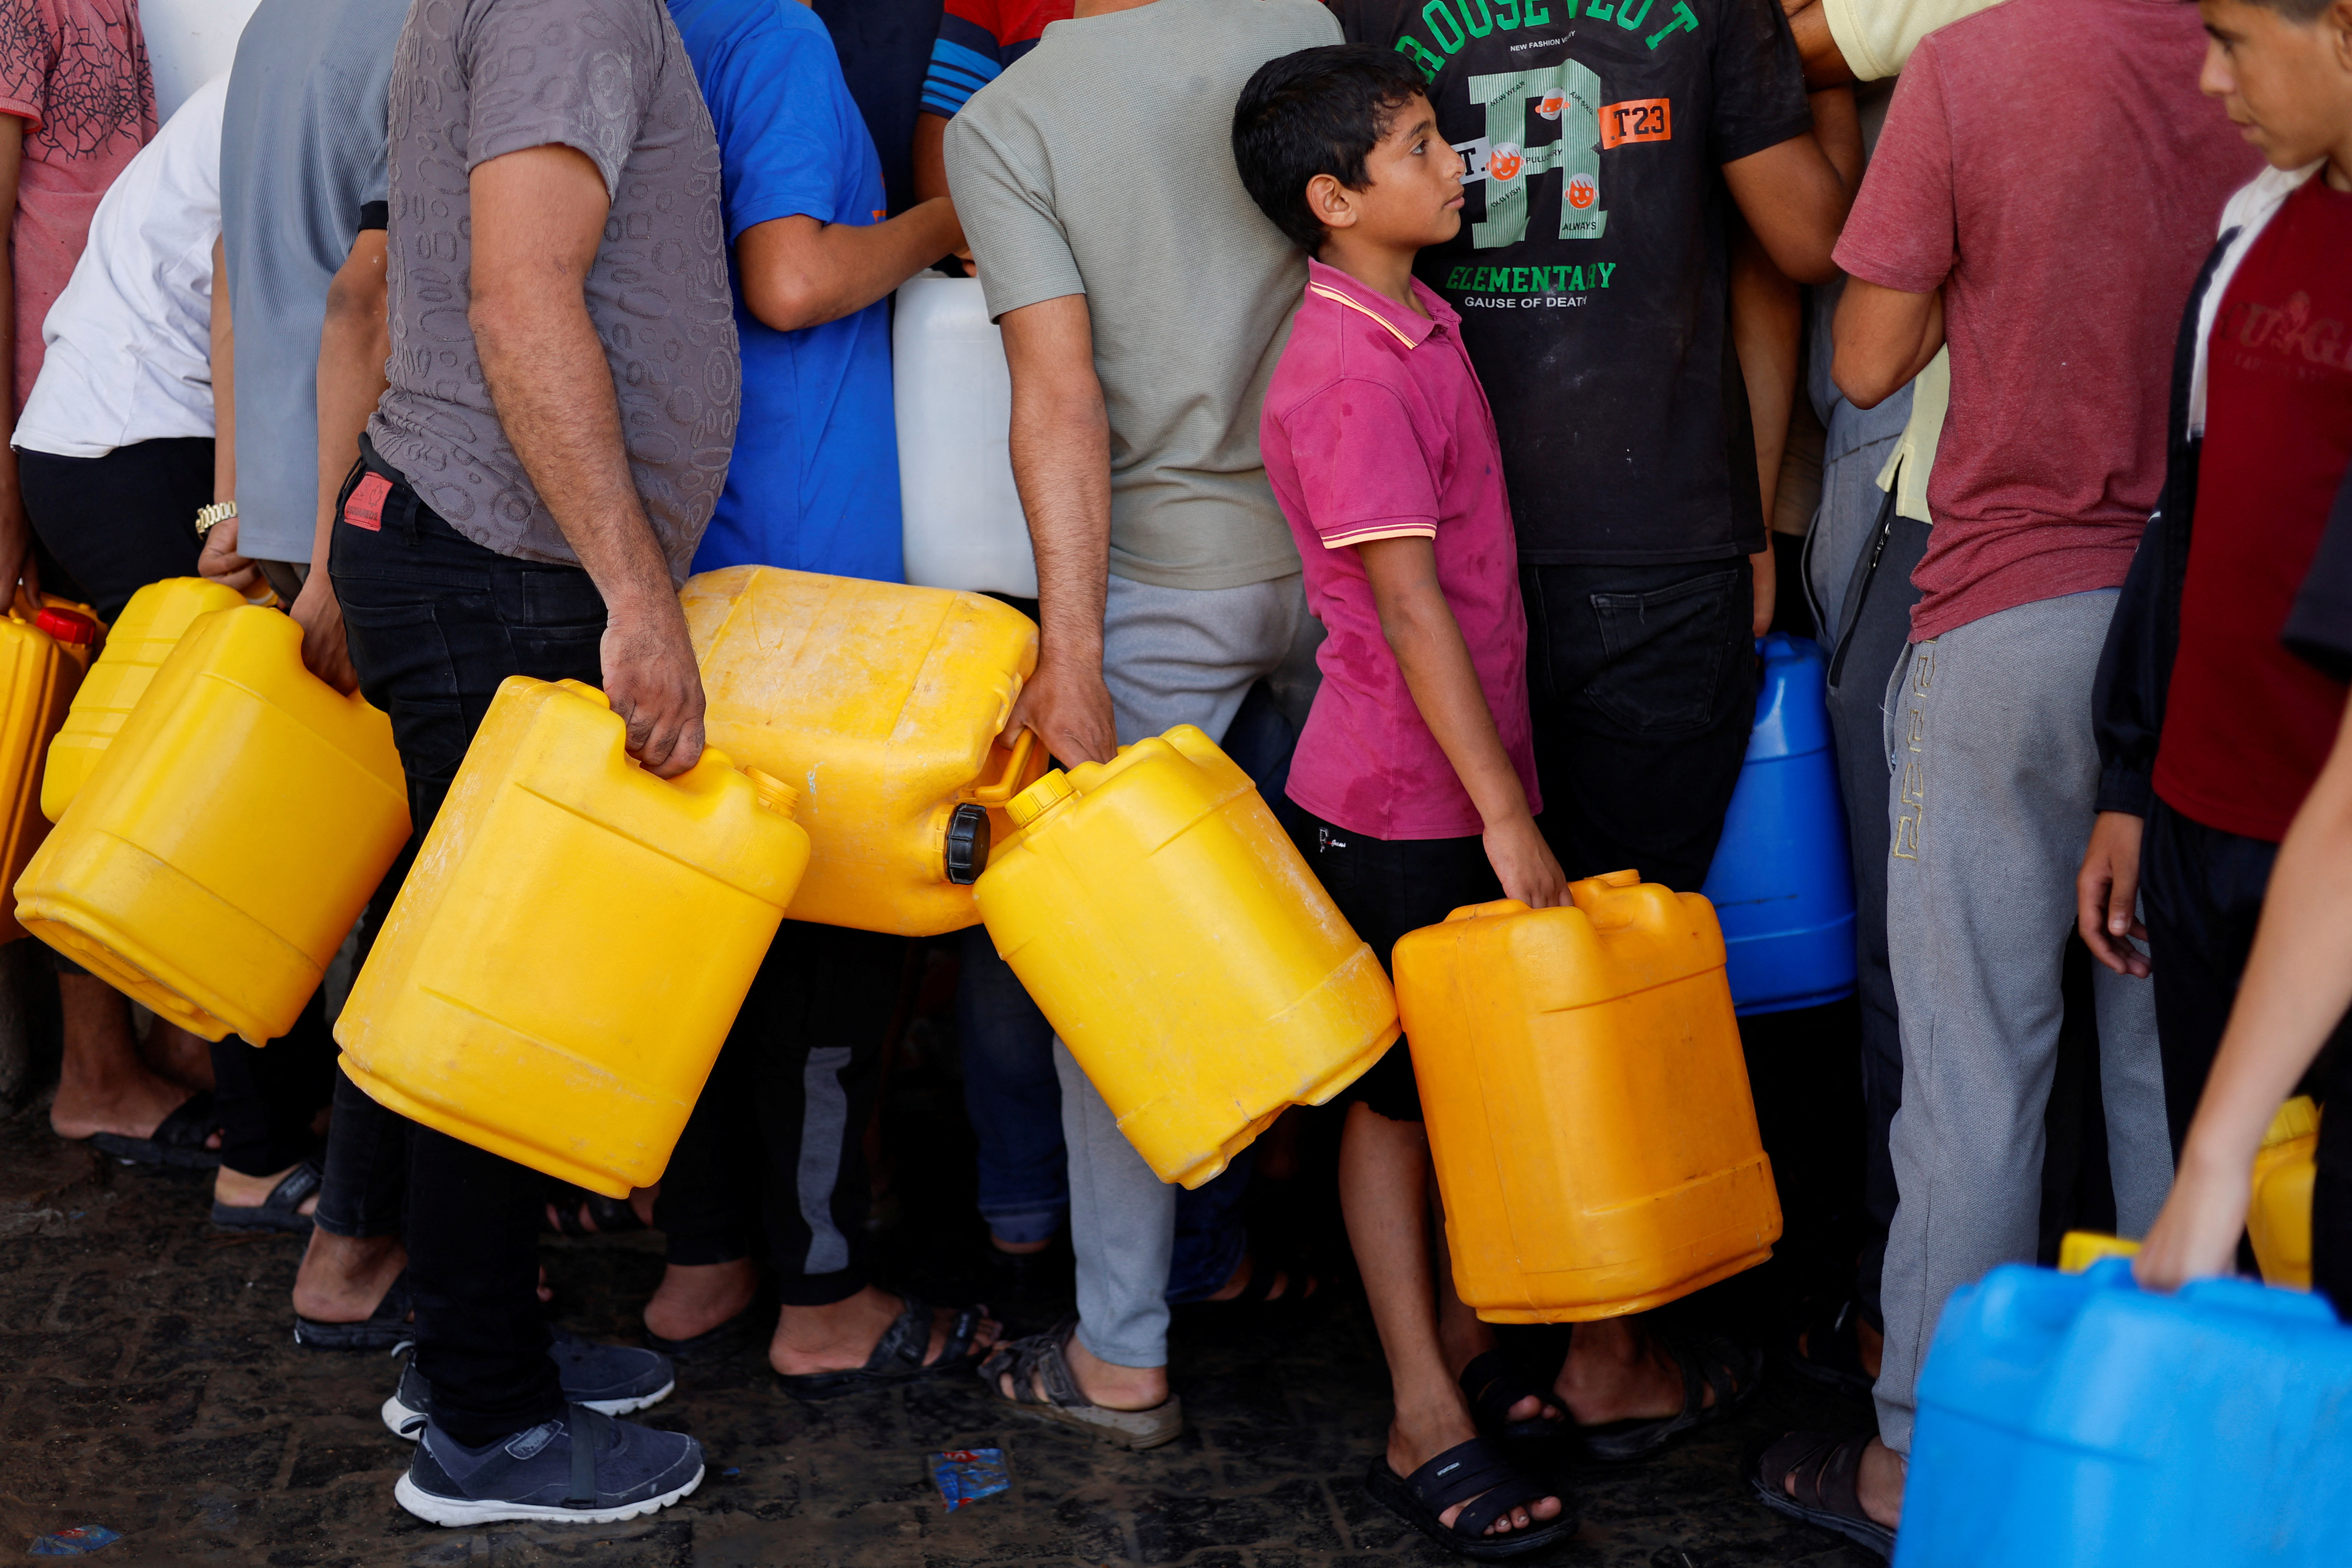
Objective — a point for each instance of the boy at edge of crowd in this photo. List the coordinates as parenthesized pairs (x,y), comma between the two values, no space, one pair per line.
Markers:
(2285,72)
(1414,789)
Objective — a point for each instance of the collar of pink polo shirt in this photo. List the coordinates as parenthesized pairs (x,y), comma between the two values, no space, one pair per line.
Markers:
(1411,329)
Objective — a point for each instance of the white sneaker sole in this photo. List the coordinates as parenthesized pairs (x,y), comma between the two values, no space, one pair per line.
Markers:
(407,1421)
(458,1511)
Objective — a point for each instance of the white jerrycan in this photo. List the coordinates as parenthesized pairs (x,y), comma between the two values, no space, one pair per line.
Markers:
(964,526)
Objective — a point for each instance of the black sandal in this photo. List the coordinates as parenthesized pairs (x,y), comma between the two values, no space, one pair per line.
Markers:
(177,1142)
(281,1211)
(1711,1362)
(607,1216)
(1827,1351)
(386,1328)
(1487,1486)
(1042,1384)
(1827,1470)
(732,1335)
(1493,1383)
(1254,1309)
(897,1355)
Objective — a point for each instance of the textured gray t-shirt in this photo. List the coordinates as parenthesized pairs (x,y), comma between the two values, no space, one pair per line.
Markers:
(302,151)
(1101,163)
(475,79)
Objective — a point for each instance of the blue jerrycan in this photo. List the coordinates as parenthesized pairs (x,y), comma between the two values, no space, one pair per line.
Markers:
(2076,1421)
(1782,882)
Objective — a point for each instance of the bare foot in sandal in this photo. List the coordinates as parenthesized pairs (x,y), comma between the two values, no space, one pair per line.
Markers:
(1417,1437)
(842,1337)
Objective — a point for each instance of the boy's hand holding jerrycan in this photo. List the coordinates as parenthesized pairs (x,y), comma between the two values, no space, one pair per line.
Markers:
(1587,1102)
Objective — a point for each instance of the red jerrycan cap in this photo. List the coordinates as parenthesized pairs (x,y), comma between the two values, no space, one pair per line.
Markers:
(67,626)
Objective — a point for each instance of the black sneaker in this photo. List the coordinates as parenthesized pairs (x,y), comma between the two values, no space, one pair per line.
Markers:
(582,1468)
(609,1379)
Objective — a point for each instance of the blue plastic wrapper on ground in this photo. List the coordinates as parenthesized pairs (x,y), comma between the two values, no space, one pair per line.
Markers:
(79,1541)
(967,1475)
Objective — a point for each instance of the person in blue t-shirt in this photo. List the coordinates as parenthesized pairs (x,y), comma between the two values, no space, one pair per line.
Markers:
(814,482)
(774,1139)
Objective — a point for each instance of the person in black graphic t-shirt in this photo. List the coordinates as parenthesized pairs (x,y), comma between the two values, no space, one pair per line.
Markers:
(1607,144)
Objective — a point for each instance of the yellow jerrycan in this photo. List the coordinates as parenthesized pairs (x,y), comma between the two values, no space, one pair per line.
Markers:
(1171,935)
(562,964)
(881,705)
(231,832)
(2278,1219)
(1586,1101)
(42,656)
(138,643)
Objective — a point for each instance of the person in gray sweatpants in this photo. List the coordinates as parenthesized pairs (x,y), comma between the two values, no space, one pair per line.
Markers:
(1988,811)
(1144,301)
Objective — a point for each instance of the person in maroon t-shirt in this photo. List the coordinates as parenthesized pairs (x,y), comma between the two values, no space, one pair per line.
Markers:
(1993,220)
(2242,736)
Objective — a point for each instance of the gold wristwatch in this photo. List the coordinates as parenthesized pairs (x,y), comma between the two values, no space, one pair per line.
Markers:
(218,512)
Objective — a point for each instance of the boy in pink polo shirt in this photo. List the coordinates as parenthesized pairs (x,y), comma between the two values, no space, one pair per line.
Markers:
(1414,789)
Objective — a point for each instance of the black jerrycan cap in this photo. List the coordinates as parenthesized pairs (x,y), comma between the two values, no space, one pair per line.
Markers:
(967,853)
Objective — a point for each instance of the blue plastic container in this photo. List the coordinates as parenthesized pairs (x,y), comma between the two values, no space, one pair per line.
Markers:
(1782,882)
(2076,1421)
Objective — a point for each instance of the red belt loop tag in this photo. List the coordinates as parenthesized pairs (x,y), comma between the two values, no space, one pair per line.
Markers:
(364,508)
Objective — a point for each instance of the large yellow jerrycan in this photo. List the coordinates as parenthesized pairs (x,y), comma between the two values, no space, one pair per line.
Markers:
(881,705)
(1586,1101)
(138,643)
(1171,935)
(2278,1219)
(563,962)
(218,854)
(42,656)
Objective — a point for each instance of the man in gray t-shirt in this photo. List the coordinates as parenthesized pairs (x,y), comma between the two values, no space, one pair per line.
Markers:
(562,399)
(1144,299)
(302,154)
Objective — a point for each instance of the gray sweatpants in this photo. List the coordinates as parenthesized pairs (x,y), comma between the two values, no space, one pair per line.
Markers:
(1990,809)
(1170,656)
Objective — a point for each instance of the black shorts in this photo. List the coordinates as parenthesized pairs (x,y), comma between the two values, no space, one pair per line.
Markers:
(1387,887)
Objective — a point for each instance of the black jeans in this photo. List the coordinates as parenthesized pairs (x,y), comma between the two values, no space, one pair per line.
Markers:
(266,1099)
(1878,616)
(1642,684)
(120,522)
(434,623)
(1387,887)
(781,1125)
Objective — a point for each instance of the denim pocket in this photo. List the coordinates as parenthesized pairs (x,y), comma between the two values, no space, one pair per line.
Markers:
(405,668)
(1665,652)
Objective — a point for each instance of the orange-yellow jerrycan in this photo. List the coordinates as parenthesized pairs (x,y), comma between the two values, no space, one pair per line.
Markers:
(2278,1219)
(563,962)
(881,705)
(1586,1101)
(42,656)
(1178,944)
(229,835)
(138,643)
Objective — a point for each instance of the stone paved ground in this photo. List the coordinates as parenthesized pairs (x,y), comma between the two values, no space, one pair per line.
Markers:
(147,1382)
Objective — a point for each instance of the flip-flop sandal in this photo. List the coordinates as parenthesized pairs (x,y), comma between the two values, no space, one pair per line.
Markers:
(1711,1362)
(897,1355)
(1487,1486)
(281,1211)
(177,1142)
(386,1328)
(1042,1359)
(1826,1349)
(611,1215)
(1827,1468)
(1493,1383)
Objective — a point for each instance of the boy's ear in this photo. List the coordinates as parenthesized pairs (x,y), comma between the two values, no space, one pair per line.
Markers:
(1334,205)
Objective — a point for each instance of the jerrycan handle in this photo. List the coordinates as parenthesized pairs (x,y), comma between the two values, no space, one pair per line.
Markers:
(1010,782)
(1480,911)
